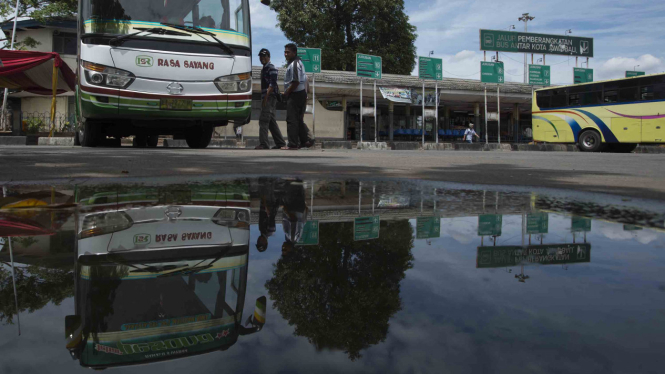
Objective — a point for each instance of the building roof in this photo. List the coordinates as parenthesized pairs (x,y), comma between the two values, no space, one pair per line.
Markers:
(349,77)
(31,24)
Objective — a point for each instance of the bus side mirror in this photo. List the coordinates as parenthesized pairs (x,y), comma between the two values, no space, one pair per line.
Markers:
(73,331)
(260,311)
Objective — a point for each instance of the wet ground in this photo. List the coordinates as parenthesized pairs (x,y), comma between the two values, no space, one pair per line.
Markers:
(279,275)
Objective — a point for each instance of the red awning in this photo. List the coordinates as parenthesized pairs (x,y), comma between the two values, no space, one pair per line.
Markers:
(33,72)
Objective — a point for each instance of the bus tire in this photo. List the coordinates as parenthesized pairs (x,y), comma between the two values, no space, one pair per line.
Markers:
(590,141)
(199,136)
(88,133)
(622,147)
(140,141)
(152,141)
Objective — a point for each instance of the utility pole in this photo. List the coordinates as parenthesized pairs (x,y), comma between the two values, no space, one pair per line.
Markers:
(525,18)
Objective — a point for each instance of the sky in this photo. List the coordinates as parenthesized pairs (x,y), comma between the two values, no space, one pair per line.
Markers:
(626,34)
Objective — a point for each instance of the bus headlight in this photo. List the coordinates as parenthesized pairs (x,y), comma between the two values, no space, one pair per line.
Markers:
(104,223)
(238,218)
(234,83)
(101,75)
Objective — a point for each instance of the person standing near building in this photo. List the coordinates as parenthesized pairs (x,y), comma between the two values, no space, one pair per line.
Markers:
(269,95)
(295,94)
(470,133)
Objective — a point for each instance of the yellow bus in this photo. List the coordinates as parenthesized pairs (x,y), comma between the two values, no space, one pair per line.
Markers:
(613,115)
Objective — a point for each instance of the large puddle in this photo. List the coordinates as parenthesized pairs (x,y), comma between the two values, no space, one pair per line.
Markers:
(284,275)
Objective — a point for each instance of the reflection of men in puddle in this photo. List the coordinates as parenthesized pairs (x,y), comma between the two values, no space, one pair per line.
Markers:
(269,205)
(294,214)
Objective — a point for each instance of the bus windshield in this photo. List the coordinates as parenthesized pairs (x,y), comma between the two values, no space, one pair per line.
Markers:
(229,19)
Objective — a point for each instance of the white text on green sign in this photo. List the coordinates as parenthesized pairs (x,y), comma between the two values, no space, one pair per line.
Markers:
(430,68)
(368,66)
(539,75)
(491,72)
(311,59)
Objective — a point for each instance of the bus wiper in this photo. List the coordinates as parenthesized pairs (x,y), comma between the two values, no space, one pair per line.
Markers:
(198,30)
(155,30)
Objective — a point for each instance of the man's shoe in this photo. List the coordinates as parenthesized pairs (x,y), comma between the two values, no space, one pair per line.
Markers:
(261,146)
(309,143)
(277,147)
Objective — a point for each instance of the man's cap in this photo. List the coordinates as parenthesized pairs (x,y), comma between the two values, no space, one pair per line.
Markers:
(470,124)
(264,52)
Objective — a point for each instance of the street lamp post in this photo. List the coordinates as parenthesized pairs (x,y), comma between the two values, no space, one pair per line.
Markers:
(11,47)
(635,67)
(525,18)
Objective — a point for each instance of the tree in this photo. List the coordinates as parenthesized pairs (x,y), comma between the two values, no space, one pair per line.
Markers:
(36,286)
(39,10)
(342,28)
(342,293)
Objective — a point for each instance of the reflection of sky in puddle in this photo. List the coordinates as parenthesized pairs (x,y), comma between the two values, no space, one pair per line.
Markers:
(605,315)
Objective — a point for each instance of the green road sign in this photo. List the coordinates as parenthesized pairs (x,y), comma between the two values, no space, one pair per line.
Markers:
(578,224)
(547,254)
(430,68)
(631,228)
(366,228)
(582,75)
(311,59)
(634,73)
(539,75)
(428,227)
(491,72)
(537,223)
(542,44)
(310,233)
(368,66)
(489,224)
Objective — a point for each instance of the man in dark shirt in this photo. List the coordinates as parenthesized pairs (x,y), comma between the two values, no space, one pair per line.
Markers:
(269,92)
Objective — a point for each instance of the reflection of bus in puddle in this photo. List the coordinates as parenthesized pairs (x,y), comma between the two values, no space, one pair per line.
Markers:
(159,282)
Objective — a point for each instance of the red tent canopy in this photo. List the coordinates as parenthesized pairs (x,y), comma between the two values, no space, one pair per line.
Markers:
(33,72)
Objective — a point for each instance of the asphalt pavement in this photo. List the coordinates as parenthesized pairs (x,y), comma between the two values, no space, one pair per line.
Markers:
(634,175)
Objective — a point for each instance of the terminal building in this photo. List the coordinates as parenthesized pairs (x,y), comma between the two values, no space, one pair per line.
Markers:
(337,107)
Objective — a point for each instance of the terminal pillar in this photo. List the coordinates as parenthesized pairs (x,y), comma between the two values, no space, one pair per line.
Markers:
(391,118)
(446,118)
(516,121)
(345,119)
(476,116)
(408,116)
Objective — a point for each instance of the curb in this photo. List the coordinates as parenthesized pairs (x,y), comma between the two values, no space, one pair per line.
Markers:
(373,146)
(13,140)
(336,145)
(56,141)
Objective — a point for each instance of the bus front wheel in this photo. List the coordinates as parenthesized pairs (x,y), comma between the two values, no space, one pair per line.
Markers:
(88,133)
(199,136)
(590,141)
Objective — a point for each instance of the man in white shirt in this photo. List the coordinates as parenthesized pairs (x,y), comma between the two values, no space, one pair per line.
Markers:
(470,133)
(295,95)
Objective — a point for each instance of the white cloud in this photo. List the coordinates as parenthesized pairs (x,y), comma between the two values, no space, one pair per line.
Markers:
(616,66)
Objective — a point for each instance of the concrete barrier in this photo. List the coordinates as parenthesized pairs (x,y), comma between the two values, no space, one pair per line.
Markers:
(404,146)
(439,147)
(13,140)
(336,145)
(175,143)
(68,142)
(649,149)
(545,147)
(373,146)
(482,147)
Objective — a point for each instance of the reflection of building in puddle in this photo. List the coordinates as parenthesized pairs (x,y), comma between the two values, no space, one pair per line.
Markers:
(161,274)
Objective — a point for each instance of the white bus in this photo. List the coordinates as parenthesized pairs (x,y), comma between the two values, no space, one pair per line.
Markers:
(162,67)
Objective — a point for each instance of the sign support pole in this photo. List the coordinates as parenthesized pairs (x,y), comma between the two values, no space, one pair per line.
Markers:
(486,140)
(314,105)
(498,112)
(423,121)
(436,111)
(376,124)
(11,48)
(361,110)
